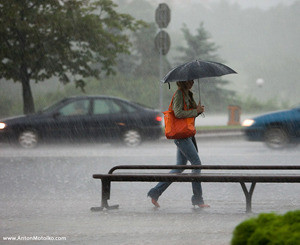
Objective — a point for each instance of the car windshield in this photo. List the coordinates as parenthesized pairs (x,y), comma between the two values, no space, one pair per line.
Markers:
(141,105)
(51,107)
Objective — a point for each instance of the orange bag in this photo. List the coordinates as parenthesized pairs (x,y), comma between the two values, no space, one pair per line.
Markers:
(178,128)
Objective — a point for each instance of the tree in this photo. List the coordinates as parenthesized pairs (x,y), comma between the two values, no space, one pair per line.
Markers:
(148,55)
(69,39)
(143,61)
(201,47)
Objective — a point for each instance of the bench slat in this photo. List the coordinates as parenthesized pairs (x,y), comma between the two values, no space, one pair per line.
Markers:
(278,178)
(215,167)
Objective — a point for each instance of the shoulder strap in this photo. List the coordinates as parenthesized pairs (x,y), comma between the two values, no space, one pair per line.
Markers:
(184,104)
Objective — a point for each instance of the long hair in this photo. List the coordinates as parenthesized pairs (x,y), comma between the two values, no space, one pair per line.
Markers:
(182,85)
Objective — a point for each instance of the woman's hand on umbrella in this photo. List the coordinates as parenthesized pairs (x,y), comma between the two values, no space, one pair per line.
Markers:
(200,108)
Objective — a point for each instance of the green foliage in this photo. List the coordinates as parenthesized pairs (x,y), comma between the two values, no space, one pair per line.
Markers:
(147,55)
(70,40)
(140,9)
(269,229)
(141,90)
(143,61)
(252,104)
(199,46)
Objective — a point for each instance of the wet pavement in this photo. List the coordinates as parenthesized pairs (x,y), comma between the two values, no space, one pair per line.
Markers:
(48,192)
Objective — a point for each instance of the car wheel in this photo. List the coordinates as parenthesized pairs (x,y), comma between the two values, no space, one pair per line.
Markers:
(132,138)
(276,138)
(28,139)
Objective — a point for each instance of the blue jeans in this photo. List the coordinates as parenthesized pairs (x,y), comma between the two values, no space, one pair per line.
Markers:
(186,151)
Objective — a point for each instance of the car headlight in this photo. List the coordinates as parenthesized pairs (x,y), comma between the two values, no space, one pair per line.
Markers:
(2,125)
(248,122)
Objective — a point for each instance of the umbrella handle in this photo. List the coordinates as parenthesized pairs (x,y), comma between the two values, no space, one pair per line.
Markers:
(199,91)
(202,114)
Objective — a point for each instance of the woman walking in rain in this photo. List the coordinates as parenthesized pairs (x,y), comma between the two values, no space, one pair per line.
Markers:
(186,148)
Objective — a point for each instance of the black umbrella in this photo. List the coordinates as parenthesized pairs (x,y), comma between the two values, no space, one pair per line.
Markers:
(195,70)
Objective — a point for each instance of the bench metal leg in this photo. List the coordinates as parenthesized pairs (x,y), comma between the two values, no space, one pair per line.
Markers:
(105,197)
(248,195)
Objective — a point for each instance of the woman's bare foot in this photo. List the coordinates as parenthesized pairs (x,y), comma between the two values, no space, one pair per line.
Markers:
(155,203)
(203,205)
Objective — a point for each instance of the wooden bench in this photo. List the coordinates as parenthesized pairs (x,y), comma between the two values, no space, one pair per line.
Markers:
(221,175)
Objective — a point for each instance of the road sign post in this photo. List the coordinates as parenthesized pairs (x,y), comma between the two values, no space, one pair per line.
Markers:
(162,40)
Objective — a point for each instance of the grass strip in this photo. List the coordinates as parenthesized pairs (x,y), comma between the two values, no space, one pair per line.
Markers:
(216,128)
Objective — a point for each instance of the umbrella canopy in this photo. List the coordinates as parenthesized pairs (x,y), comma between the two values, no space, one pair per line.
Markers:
(196,69)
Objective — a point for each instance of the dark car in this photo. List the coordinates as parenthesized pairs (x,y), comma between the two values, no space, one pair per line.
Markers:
(92,118)
(277,129)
